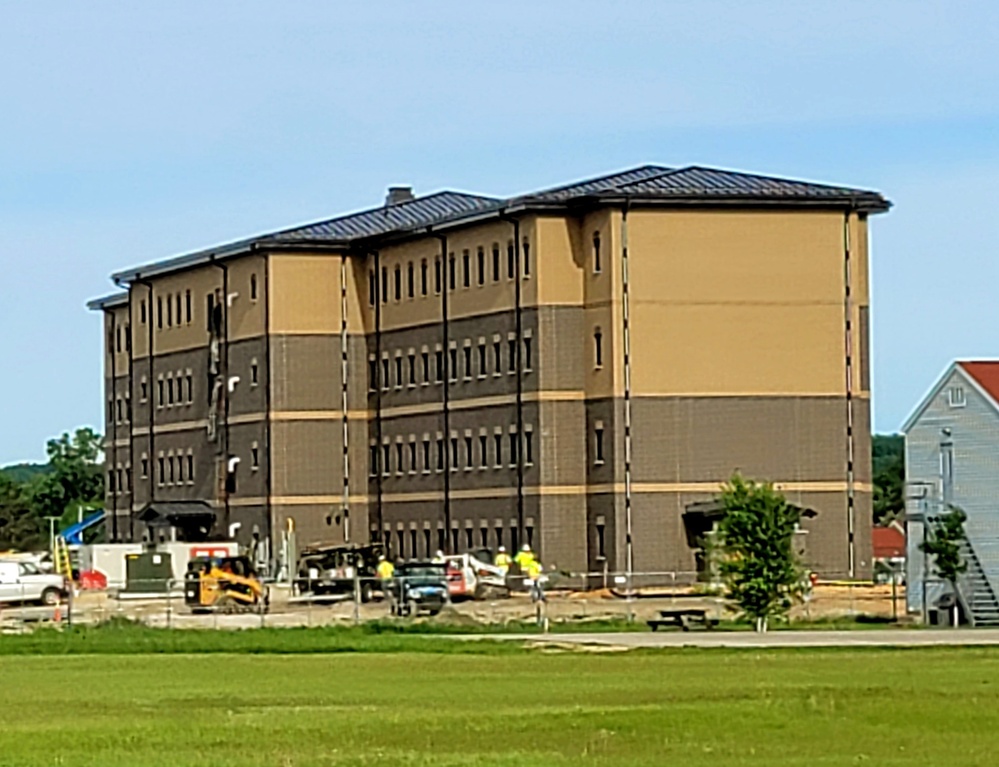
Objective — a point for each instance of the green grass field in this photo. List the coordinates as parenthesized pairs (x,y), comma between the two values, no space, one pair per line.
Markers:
(708,707)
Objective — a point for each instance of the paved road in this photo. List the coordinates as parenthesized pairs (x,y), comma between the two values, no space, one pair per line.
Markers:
(858,638)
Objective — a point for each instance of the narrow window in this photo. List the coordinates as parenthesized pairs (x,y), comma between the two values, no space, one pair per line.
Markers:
(496,262)
(453,360)
(145,467)
(412,456)
(170,391)
(440,454)
(423,277)
(255,456)
(498,448)
(956,397)
(180,470)
(385,285)
(372,287)
(128,338)
(437,274)
(386,460)
(469,460)
(469,538)
(399,458)
(170,470)
(110,410)
(373,460)
(499,536)
(117,334)
(161,477)
(425,360)
(426,541)
(527,353)
(169,308)
(529,534)
(412,543)
(142,311)
(159,392)
(601,532)
(402,543)
(253,287)
(210,303)
(483,451)
(190,388)
(412,369)
(254,372)
(454,540)
(398,283)
(120,417)
(512,354)
(466,275)
(598,348)
(189,306)
(398,372)
(481,272)
(451,272)
(597,266)
(454,453)
(410,281)
(385,374)
(513,449)
(426,455)
(178,310)
(372,373)
(159,312)
(511,262)
(527,259)
(111,482)
(467,352)
(598,443)
(190,468)
(528,446)
(143,390)
(482,359)
(439,359)
(484,536)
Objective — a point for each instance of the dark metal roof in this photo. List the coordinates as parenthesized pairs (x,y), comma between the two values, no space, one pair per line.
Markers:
(404,216)
(656,183)
(645,184)
(108,302)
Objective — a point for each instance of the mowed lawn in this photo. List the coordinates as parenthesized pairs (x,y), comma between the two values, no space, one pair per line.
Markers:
(906,707)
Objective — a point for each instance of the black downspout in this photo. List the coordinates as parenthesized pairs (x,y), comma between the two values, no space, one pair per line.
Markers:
(446,401)
(114,420)
(225,391)
(153,392)
(518,329)
(269,520)
(379,287)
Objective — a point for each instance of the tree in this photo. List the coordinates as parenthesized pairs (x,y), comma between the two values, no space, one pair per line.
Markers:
(888,468)
(944,545)
(755,537)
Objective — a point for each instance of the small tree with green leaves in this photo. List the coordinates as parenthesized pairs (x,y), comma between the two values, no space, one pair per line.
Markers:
(943,544)
(762,572)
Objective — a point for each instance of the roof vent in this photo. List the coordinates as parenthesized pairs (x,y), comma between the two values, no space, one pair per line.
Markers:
(398,194)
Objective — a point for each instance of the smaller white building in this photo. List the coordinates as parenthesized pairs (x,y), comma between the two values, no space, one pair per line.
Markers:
(952,458)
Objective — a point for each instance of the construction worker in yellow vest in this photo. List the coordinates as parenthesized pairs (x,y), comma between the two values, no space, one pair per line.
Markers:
(503,560)
(385,569)
(534,572)
(524,558)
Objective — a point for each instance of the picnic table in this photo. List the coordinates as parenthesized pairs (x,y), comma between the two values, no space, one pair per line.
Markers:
(683,618)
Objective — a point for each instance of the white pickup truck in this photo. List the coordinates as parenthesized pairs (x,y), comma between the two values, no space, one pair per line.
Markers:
(24,582)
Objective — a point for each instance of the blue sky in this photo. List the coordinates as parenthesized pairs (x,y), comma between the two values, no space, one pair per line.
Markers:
(136,131)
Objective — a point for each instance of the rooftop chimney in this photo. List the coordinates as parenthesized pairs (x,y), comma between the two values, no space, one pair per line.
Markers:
(397,194)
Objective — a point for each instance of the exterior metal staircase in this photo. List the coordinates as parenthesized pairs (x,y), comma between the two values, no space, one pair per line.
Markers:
(977,594)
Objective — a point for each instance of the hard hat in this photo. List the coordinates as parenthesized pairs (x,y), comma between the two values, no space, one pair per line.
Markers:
(502,548)
(526,547)
(381,558)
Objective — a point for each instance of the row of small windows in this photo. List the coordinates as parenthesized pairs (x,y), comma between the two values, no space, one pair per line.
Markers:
(172,468)
(415,543)
(171,389)
(470,451)
(467,363)
(120,409)
(120,479)
(417,276)
(177,309)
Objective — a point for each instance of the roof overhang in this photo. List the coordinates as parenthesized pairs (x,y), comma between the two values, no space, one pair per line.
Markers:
(113,301)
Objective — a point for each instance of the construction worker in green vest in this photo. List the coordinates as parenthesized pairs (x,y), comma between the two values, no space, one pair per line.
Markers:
(524,558)
(503,560)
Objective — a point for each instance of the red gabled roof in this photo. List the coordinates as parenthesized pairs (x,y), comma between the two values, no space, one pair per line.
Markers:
(986,375)
(888,542)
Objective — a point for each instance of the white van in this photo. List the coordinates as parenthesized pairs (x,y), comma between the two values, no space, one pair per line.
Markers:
(24,582)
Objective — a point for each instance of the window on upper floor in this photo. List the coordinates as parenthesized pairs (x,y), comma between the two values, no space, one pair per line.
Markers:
(372,287)
(398,283)
(142,311)
(451,269)
(527,259)
(597,265)
(423,277)
(481,264)
(385,285)
(253,287)
(425,363)
(956,396)
(527,353)
(179,299)
(159,312)
(189,304)
(598,348)
(598,443)
(437,275)
(511,261)
(410,280)
(496,262)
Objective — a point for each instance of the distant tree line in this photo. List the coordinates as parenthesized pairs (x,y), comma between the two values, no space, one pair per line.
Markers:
(73,478)
(888,469)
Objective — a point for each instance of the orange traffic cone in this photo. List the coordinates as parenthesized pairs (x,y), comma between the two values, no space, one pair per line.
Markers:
(57,615)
